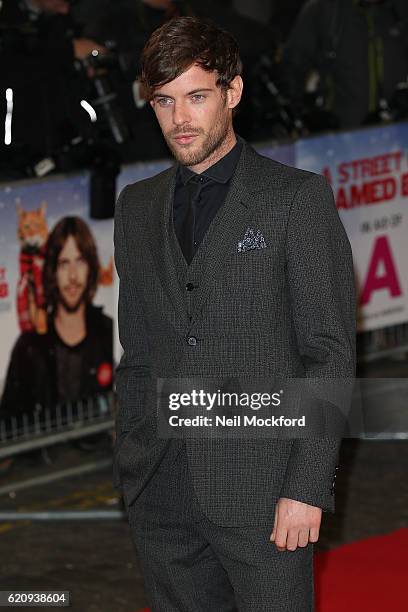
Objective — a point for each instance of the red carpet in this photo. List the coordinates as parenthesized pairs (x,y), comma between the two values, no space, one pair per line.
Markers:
(366,576)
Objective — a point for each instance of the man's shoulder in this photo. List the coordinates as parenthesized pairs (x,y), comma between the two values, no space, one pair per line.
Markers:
(272,175)
(144,187)
(30,344)
(269,164)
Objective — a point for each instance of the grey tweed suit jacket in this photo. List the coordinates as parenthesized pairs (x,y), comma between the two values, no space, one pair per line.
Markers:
(287,310)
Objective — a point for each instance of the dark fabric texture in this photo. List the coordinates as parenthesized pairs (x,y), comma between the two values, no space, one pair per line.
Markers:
(191,565)
(287,310)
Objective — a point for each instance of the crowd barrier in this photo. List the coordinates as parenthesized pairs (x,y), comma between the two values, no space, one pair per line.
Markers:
(45,427)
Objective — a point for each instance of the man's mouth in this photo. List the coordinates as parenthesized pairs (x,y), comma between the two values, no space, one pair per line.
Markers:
(71,291)
(185,138)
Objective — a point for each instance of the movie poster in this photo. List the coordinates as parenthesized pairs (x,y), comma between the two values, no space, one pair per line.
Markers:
(56,295)
(368,172)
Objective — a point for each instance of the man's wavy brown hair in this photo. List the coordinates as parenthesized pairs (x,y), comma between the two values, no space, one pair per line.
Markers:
(79,230)
(183,41)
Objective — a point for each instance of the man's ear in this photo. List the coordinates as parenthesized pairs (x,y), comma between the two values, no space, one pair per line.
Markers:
(234,91)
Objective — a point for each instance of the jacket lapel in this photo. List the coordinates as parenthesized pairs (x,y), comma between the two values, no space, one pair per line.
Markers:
(158,221)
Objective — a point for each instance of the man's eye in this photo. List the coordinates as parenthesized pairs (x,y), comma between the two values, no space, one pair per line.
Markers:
(198,97)
(164,101)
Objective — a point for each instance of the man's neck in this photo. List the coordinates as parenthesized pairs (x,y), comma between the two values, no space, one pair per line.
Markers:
(225,147)
(70,326)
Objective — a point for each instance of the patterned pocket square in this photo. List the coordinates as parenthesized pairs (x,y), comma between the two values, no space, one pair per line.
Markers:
(252,240)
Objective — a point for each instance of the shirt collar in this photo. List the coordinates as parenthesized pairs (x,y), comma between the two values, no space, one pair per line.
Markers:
(221,171)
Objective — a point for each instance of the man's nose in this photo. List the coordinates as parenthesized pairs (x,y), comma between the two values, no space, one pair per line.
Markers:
(181,114)
(72,271)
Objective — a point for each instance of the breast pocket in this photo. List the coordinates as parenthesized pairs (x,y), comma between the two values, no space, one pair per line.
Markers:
(253,261)
(247,256)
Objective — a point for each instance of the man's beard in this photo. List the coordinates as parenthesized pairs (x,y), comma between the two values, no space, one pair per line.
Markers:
(212,142)
(71,308)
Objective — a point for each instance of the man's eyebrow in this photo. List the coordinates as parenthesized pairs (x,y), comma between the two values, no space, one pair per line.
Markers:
(190,93)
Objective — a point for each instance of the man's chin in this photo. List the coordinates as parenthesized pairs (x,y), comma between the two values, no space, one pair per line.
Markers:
(71,307)
(188,155)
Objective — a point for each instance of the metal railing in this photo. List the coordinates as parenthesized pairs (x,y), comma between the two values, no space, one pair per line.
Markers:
(46,426)
(381,343)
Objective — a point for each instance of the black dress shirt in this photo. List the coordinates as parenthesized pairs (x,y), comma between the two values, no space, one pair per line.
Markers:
(210,192)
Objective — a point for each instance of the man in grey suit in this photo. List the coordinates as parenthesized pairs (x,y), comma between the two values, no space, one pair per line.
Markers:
(230,265)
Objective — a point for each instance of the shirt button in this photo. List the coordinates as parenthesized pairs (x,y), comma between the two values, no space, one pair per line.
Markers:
(192,340)
(201,179)
(190,286)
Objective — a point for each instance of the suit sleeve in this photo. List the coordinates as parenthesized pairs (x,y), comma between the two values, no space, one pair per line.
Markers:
(322,296)
(133,371)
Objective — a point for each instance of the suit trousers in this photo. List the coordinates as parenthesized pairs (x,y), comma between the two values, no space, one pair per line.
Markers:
(190,564)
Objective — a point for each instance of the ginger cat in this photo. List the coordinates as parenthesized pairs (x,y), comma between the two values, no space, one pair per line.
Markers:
(32,232)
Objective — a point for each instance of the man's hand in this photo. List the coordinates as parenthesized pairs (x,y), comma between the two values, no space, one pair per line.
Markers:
(296,524)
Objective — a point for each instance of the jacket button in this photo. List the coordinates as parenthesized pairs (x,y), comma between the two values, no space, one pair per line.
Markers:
(192,340)
(190,286)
